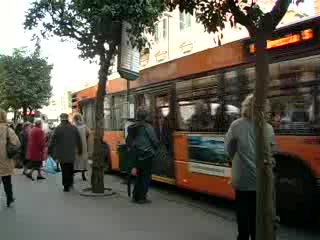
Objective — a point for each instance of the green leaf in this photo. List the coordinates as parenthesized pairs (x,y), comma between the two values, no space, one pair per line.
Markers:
(24,79)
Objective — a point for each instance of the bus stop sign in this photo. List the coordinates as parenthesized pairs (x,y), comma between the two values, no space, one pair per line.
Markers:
(129,57)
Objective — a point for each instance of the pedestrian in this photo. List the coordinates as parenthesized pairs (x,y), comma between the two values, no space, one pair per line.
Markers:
(24,145)
(36,150)
(142,145)
(81,163)
(106,156)
(64,145)
(19,159)
(18,129)
(49,136)
(7,168)
(240,144)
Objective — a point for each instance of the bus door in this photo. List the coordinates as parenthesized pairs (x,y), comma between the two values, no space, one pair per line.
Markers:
(163,164)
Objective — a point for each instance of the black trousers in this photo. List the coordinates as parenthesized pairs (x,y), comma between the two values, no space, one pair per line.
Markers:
(246,214)
(34,165)
(141,186)
(67,174)
(7,185)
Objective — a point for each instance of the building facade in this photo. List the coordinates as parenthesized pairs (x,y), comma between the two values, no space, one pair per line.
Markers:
(60,103)
(316,7)
(179,34)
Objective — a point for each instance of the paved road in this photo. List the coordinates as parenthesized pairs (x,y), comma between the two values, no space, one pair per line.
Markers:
(43,211)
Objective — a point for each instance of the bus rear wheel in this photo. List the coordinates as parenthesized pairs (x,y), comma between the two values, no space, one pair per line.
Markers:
(296,191)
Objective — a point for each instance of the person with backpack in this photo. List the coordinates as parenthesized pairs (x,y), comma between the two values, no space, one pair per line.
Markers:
(142,145)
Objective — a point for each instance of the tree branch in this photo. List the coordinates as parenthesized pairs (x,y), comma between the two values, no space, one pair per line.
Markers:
(57,18)
(279,10)
(241,17)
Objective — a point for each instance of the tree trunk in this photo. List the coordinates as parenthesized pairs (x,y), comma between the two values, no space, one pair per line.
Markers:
(24,113)
(265,185)
(97,177)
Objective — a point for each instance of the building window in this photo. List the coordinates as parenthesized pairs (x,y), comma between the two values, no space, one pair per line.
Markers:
(185,21)
(161,30)
(156,32)
(164,28)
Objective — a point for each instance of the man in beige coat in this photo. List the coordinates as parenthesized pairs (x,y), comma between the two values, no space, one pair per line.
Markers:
(7,166)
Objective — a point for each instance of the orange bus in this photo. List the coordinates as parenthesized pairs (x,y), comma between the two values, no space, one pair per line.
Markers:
(192,101)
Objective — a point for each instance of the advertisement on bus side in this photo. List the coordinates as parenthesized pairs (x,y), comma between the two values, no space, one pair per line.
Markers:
(207,155)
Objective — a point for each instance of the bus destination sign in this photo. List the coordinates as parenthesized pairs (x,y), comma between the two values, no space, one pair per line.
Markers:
(287,40)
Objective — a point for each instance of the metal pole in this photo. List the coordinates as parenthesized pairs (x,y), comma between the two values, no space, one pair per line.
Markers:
(168,36)
(128,98)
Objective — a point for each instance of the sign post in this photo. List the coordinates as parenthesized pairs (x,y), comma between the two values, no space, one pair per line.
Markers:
(128,62)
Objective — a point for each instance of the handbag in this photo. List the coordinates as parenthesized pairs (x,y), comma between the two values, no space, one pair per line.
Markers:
(12,150)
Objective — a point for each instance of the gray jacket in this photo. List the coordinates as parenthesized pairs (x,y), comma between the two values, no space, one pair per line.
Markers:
(65,143)
(240,144)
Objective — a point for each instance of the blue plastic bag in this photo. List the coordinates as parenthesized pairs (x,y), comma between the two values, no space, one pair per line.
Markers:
(51,166)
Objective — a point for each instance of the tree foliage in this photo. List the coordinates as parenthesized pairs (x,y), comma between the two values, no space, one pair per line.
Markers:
(216,14)
(96,26)
(24,80)
(92,23)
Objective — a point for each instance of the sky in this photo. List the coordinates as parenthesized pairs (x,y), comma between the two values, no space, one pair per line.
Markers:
(69,72)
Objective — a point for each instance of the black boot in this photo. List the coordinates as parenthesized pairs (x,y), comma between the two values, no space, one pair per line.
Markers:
(41,178)
(10,201)
(8,189)
(84,178)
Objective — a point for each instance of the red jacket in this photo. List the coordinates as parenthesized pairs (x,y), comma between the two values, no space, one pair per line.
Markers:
(36,145)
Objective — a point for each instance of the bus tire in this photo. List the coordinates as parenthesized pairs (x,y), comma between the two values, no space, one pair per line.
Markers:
(297,193)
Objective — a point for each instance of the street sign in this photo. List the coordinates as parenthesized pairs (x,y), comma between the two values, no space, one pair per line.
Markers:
(129,57)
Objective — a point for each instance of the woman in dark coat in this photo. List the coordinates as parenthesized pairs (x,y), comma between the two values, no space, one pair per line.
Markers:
(36,150)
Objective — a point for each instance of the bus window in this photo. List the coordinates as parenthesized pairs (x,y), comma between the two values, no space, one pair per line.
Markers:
(197,116)
(107,113)
(203,116)
(291,114)
(118,119)
(88,111)
(207,108)
(144,101)
(185,111)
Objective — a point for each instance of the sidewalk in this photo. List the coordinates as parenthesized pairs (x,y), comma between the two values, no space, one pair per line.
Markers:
(44,211)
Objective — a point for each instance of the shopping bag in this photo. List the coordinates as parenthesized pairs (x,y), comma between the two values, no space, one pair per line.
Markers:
(51,166)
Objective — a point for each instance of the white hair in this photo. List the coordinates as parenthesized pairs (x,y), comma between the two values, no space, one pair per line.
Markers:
(247,107)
